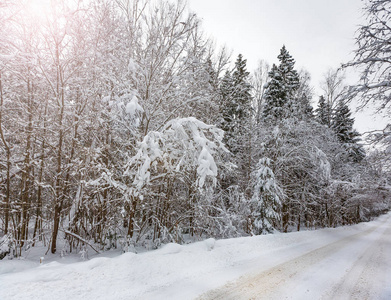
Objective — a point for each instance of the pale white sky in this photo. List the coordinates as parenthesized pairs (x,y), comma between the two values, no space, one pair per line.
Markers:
(319,34)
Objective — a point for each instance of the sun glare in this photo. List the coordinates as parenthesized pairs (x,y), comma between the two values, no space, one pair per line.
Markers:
(38,8)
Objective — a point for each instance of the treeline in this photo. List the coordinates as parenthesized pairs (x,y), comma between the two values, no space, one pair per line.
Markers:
(122,125)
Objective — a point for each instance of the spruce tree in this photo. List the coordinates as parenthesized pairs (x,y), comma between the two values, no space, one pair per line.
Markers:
(227,108)
(280,91)
(242,88)
(302,108)
(275,95)
(289,74)
(236,105)
(236,112)
(267,197)
(305,109)
(323,112)
(213,80)
(342,124)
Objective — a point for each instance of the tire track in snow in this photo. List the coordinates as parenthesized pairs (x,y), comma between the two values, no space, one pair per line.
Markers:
(364,279)
(303,276)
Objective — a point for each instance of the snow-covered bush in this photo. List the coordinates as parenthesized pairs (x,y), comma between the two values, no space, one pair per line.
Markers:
(168,175)
(7,245)
(267,198)
(182,146)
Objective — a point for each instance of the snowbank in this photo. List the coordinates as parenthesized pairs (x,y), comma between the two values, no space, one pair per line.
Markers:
(172,272)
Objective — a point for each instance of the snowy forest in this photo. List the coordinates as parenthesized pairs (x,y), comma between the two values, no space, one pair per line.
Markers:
(122,125)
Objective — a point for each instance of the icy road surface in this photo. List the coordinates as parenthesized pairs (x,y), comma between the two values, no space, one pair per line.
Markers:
(352,262)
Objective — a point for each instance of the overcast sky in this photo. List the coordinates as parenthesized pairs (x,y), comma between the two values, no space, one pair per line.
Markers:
(319,34)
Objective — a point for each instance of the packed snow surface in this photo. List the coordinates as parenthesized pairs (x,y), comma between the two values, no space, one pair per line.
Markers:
(341,263)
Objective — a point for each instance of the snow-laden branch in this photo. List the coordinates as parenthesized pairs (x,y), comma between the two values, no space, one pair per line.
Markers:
(183,145)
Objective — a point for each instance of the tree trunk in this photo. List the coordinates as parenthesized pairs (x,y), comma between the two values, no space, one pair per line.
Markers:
(8,154)
(26,180)
(285,217)
(131,217)
(38,219)
(57,197)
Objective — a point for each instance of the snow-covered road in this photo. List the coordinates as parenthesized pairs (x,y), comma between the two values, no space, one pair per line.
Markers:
(352,262)
(354,267)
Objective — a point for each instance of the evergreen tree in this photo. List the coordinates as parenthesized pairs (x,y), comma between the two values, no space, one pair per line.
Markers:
(267,196)
(323,112)
(305,107)
(289,74)
(302,108)
(342,125)
(236,112)
(280,91)
(227,108)
(275,96)
(212,76)
(242,96)
(236,105)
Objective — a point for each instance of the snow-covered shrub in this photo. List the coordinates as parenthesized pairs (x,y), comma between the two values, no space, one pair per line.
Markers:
(172,169)
(266,198)
(182,145)
(7,245)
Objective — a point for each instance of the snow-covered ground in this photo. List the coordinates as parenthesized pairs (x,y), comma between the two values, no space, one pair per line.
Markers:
(341,263)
